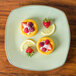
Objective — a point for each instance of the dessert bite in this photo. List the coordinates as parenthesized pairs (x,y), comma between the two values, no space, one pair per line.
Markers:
(29,28)
(45,45)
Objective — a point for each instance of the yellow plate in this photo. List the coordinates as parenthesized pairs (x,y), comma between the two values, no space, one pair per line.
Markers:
(43,39)
(34,25)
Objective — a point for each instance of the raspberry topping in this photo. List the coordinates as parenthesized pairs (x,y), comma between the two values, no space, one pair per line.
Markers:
(43,49)
(41,44)
(30,24)
(31,29)
(47,41)
(26,30)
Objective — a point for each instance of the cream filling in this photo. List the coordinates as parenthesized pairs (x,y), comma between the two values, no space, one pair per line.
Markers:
(25,27)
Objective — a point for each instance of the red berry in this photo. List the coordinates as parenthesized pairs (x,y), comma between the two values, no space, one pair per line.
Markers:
(29,50)
(31,29)
(26,30)
(43,49)
(47,41)
(26,51)
(50,47)
(30,24)
(24,24)
(41,44)
(46,24)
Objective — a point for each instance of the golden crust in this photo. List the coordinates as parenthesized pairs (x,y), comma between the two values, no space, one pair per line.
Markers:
(43,39)
(34,25)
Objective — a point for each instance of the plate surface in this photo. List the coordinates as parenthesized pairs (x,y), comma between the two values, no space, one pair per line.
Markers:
(14,38)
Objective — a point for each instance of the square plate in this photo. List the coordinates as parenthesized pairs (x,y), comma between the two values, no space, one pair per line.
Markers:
(14,38)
